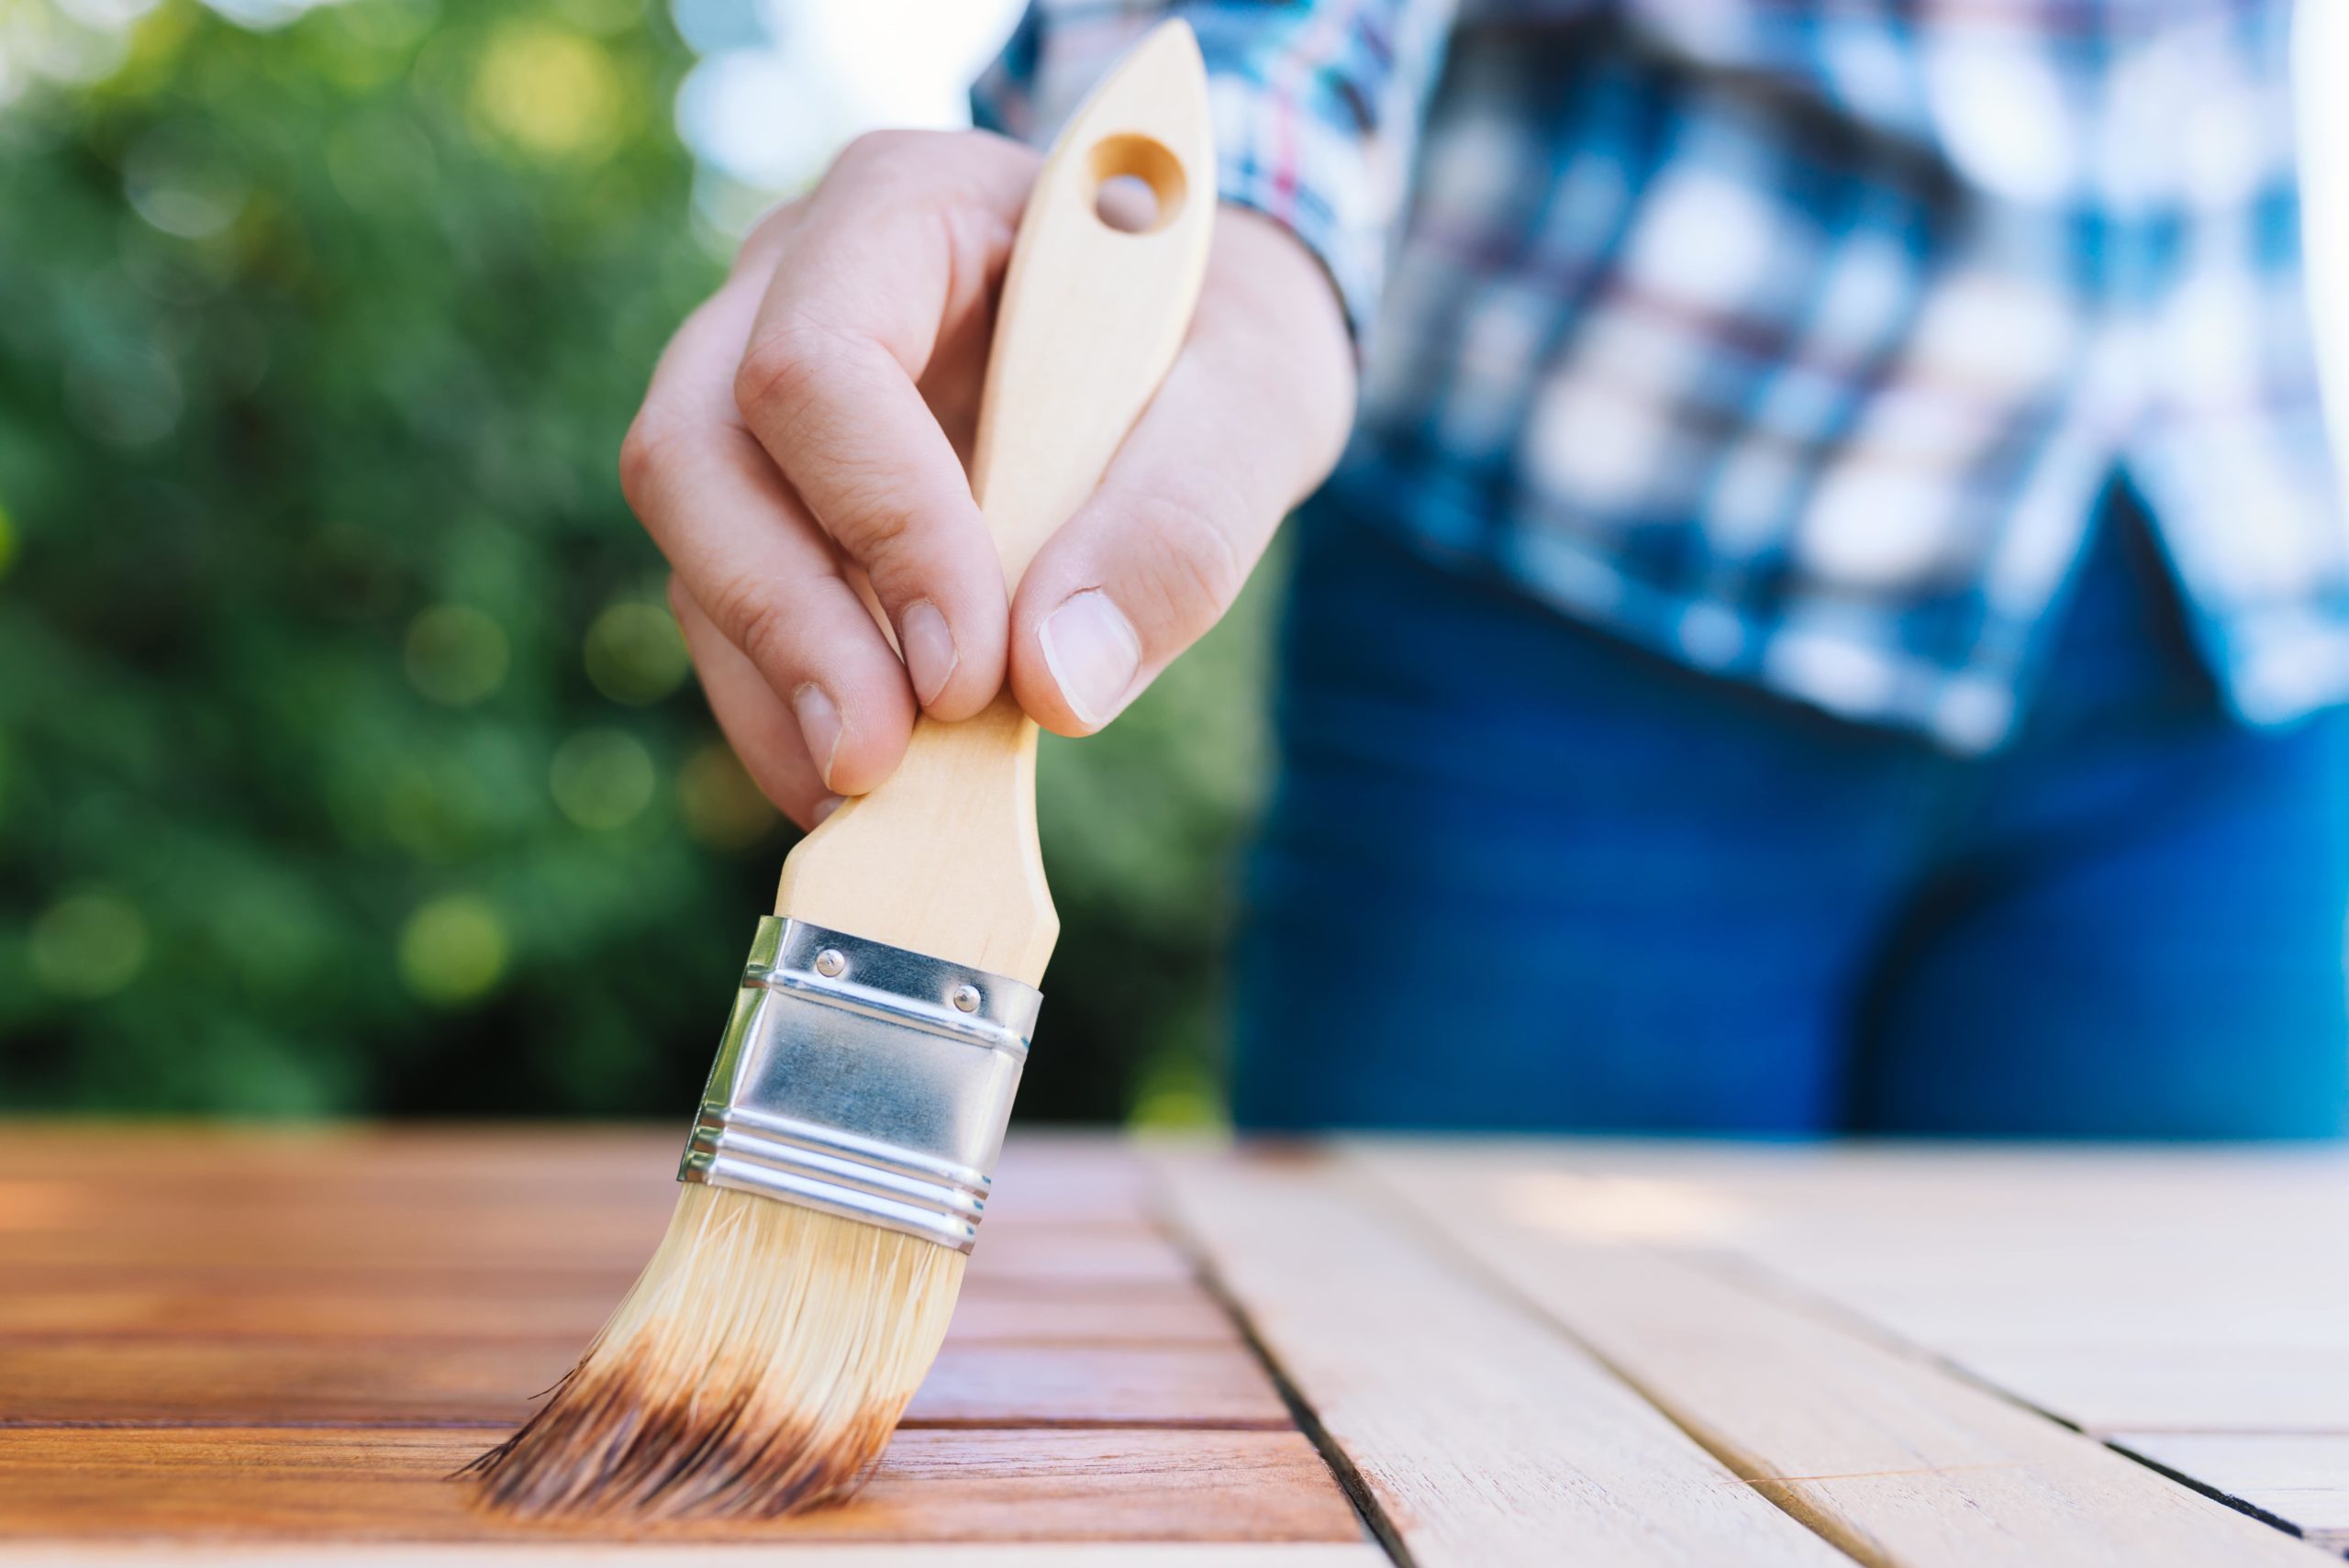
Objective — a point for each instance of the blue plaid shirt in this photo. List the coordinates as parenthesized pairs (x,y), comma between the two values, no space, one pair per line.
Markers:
(1797,339)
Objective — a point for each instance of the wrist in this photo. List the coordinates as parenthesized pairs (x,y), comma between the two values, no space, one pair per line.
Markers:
(1283,301)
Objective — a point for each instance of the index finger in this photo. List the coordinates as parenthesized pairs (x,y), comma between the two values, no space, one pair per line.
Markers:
(902,246)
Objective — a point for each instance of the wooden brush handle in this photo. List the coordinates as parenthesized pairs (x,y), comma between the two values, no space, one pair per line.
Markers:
(943,858)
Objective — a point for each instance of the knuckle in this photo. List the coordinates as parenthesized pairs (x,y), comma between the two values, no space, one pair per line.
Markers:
(870,516)
(755,619)
(1191,564)
(786,368)
(786,378)
(896,174)
(644,454)
(877,150)
(778,371)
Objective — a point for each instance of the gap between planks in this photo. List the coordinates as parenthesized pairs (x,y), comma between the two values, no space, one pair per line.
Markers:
(2299,1480)
(1475,1433)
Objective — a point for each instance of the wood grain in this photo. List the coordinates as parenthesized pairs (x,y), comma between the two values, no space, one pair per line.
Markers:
(1482,1436)
(1046,1175)
(130,1304)
(1886,1454)
(294,1337)
(2119,1288)
(2115,1287)
(382,1485)
(53,1380)
(408,1231)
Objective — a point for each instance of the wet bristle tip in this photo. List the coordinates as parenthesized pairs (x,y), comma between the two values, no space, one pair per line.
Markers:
(756,1368)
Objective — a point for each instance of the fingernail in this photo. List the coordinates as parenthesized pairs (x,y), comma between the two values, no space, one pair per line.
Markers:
(1092,653)
(823,809)
(930,656)
(820,725)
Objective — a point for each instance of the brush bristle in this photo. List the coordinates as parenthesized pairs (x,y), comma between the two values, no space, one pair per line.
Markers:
(757,1367)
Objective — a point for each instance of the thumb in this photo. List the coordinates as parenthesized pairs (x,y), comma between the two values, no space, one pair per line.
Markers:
(1249,420)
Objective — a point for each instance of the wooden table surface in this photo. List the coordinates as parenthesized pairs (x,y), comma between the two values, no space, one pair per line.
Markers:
(240,1347)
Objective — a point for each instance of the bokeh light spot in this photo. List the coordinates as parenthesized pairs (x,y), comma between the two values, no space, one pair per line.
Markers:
(89,944)
(549,90)
(71,46)
(453,949)
(720,805)
(1176,1094)
(601,778)
(456,654)
(7,542)
(184,184)
(635,653)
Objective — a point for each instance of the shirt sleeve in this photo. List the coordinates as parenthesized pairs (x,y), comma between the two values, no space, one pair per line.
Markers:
(1316,106)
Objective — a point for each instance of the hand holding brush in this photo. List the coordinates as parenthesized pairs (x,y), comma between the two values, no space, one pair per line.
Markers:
(838,1168)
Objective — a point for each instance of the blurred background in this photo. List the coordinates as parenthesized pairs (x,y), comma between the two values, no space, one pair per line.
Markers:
(349,762)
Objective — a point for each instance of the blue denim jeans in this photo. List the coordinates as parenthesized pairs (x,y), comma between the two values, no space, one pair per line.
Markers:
(1519,876)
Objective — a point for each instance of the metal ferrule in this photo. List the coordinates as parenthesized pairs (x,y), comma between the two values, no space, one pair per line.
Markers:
(865,1081)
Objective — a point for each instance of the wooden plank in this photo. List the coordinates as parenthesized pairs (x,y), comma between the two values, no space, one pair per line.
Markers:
(203,1176)
(403,1294)
(1194,1385)
(2115,1288)
(148,1304)
(1482,1436)
(1049,1175)
(2209,1386)
(379,1306)
(2190,1249)
(385,1486)
(1886,1454)
(2300,1478)
(56,1380)
(495,1154)
(715,1554)
(1063,1254)
(113,1228)
(1079,1173)
(2112,1286)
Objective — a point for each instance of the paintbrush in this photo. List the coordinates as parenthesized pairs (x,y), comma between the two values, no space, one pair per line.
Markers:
(839,1163)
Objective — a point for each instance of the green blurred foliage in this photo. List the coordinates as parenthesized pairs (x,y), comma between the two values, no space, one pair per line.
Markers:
(348,760)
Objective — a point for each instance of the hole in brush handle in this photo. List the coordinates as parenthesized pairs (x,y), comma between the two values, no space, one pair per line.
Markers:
(1138,185)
